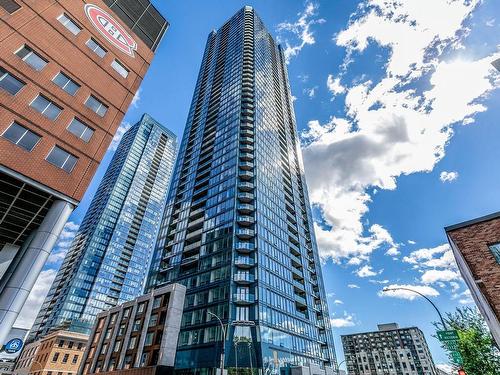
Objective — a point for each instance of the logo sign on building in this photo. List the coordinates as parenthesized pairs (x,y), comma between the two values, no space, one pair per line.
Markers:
(113,31)
(13,346)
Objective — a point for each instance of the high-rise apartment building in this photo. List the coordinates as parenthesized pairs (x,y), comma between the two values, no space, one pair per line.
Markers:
(390,350)
(476,247)
(69,70)
(107,263)
(237,230)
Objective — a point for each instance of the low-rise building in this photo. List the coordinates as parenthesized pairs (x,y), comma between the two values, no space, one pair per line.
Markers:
(476,247)
(139,336)
(58,353)
(390,350)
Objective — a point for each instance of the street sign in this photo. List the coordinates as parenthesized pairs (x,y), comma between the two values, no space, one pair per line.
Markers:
(13,346)
(452,346)
(457,358)
(449,335)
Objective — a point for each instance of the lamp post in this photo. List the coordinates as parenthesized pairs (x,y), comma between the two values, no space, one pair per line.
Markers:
(338,366)
(223,342)
(421,295)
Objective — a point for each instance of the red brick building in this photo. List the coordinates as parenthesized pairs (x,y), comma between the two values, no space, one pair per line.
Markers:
(476,247)
(69,70)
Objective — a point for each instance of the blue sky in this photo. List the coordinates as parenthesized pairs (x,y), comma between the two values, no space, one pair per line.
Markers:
(398,114)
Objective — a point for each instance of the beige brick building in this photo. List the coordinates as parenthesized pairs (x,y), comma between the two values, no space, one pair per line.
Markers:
(59,353)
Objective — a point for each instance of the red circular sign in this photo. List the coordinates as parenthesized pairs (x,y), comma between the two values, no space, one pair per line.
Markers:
(109,28)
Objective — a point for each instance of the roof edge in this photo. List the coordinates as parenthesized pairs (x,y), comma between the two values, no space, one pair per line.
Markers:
(468,223)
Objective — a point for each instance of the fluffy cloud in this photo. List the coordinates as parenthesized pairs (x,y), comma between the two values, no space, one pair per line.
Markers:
(448,176)
(406,294)
(434,276)
(346,321)
(310,92)
(35,299)
(394,126)
(353,286)
(334,85)
(124,126)
(366,271)
(300,29)
(436,257)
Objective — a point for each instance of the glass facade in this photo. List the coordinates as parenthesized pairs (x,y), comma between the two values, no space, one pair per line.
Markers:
(108,260)
(237,229)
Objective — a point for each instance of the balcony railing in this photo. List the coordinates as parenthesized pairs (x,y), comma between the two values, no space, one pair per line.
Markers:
(244,247)
(244,278)
(244,298)
(244,262)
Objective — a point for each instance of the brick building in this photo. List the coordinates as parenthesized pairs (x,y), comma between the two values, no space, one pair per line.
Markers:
(476,247)
(59,353)
(69,70)
(138,337)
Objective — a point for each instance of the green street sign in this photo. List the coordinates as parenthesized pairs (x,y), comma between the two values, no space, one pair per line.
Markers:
(450,335)
(452,346)
(457,358)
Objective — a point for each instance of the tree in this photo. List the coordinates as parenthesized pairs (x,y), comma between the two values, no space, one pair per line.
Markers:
(476,345)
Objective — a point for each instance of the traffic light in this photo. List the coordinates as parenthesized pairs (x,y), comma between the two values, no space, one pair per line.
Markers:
(461,372)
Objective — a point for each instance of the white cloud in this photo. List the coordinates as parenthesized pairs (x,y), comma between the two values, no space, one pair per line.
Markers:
(437,257)
(379,281)
(338,302)
(426,290)
(136,99)
(124,126)
(411,242)
(366,271)
(330,295)
(346,321)
(434,276)
(303,77)
(353,286)
(490,22)
(334,85)
(310,92)
(35,299)
(63,243)
(448,176)
(397,126)
(301,30)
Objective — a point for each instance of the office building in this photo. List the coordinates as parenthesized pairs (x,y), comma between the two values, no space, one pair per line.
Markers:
(59,353)
(108,260)
(476,247)
(139,335)
(390,350)
(237,229)
(69,69)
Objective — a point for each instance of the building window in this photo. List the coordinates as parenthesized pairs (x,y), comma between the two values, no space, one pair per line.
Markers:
(10,83)
(69,24)
(96,47)
(10,6)
(80,346)
(60,344)
(66,83)
(120,68)
(65,358)
(83,132)
(96,105)
(46,107)
(495,249)
(21,136)
(55,357)
(75,359)
(149,339)
(31,58)
(62,159)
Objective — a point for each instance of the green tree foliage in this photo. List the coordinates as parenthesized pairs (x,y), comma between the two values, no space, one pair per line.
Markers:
(476,345)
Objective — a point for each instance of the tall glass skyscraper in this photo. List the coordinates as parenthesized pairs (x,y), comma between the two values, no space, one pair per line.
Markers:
(109,258)
(237,229)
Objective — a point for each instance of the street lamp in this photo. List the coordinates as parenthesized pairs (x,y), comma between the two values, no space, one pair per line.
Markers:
(338,366)
(387,289)
(223,342)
